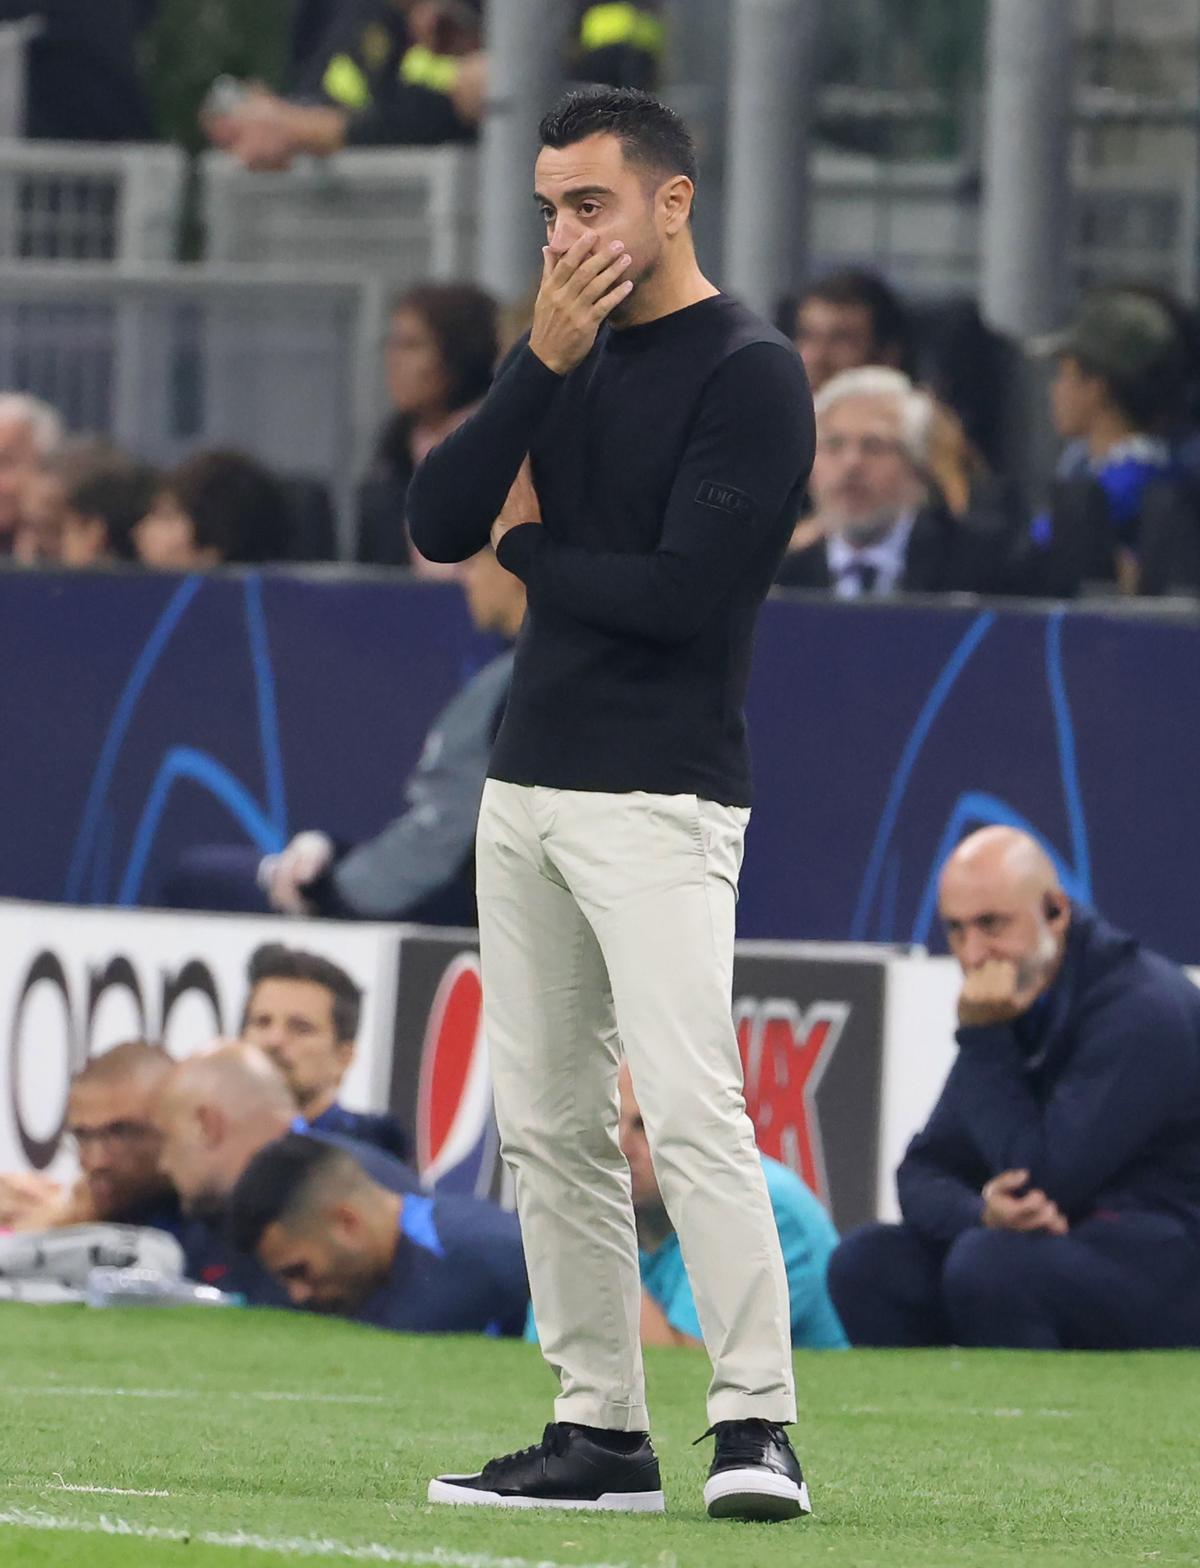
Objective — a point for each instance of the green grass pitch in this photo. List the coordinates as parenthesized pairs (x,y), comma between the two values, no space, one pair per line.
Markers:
(214,1439)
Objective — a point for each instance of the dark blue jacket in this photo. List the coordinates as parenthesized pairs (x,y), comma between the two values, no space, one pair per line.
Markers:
(211,1260)
(458,1268)
(1095,1091)
(378,1128)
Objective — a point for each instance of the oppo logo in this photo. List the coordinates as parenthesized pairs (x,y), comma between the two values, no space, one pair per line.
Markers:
(56,1027)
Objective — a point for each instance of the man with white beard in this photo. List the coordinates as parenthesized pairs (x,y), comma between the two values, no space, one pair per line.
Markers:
(1052,1200)
(879,524)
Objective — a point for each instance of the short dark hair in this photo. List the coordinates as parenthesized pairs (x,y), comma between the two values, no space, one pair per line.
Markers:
(274,961)
(281,1181)
(237,507)
(890,326)
(119,496)
(464,321)
(651,135)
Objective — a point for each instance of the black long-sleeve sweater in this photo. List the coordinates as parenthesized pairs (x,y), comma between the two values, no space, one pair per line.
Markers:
(670,467)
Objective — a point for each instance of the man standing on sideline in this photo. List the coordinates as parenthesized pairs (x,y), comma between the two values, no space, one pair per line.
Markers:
(639,464)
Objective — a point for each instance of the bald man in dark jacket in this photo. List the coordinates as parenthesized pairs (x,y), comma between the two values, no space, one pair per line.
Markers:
(1052,1201)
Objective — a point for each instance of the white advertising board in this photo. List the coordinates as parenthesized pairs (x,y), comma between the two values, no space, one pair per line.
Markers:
(74,982)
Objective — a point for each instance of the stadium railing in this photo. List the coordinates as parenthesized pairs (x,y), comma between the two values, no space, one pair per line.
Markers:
(168,359)
(918,222)
(408,214)
(90,202)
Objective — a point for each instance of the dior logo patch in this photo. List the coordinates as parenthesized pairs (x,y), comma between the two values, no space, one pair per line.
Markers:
(724,498)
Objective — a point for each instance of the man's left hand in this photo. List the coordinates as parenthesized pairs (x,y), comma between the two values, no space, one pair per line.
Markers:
(522,505)
(996,993)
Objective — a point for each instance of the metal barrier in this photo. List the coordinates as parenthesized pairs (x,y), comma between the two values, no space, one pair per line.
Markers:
(405,214)
(90,202)
(920,223)
(169,359)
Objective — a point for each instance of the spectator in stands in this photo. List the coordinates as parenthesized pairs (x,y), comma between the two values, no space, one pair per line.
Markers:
(303,1012)
(82,80)
(847,320)
(879,525)
(109,1124)
(215,507)
(411,72)
(620,45)
(441,349)
(386,73)
(1052,1200)
(102,509)
(420,867)
(806,1234)
(30,431)
(340,1243)
(1121,372)
(852,319)
(41,534)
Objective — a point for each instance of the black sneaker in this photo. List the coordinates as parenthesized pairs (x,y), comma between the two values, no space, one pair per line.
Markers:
(754,1473)
(569,1468)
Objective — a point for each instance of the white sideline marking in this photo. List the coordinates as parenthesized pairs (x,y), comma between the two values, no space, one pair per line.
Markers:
(954,1410)
(62,1391)
(109,1491)
(281,1546)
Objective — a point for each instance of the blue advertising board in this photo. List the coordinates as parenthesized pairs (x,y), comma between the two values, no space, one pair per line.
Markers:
(143,714)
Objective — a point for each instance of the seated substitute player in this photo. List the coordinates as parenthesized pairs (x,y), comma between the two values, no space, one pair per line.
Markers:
(412,1262)
(1052,1202)
(806,1234)
(213,1114)
(109,1123)
(304,1011)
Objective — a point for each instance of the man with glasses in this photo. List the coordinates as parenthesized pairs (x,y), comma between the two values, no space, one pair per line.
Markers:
(879,525)
(109,1127)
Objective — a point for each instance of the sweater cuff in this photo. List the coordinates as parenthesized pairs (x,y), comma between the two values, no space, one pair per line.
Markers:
(989,1037)
(518,549)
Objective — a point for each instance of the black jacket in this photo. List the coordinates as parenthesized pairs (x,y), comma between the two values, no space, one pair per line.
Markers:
(943,556)
(1096,1094)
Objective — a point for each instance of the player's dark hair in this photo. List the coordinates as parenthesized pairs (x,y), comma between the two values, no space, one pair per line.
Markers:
(280,1183)
(651,135)
(274,961)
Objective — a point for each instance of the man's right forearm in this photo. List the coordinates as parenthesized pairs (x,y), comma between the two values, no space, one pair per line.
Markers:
(937,1205)
(458,491)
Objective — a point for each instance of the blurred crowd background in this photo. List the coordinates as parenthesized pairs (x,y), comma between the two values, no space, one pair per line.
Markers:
(251,269)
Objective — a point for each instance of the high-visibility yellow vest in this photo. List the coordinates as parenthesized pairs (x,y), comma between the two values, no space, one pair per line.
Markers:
(608,26)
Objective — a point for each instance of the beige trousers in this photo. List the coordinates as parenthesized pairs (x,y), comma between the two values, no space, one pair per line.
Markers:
(606,924)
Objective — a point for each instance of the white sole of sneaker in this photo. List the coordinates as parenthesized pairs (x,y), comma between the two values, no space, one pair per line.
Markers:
(443,1490)
(755,1494)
